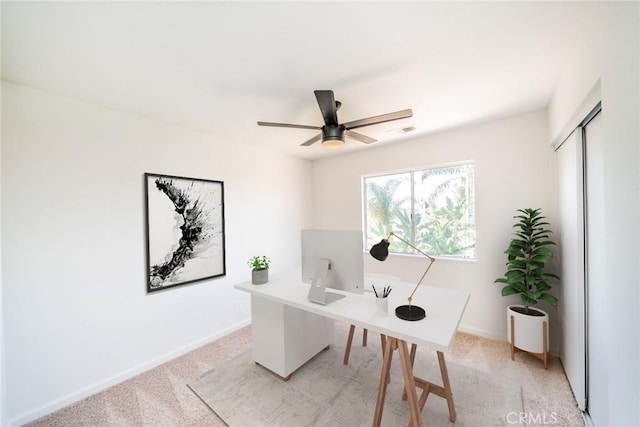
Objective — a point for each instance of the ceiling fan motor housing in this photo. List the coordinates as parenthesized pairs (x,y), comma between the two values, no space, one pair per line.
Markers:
(333,136)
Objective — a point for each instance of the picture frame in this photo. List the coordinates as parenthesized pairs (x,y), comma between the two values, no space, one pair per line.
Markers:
(185,238)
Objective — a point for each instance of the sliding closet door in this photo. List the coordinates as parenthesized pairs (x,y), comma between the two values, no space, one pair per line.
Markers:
(596,290)
(583,294)
(572,257)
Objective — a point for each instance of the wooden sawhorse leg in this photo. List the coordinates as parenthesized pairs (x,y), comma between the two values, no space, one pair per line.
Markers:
(443,391)
(347,350)
(392,344)
(411,382)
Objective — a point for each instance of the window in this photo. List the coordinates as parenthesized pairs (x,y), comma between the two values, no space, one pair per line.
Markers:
(431,208)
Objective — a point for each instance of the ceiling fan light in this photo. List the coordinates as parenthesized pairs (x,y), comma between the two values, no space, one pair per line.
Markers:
(333,143)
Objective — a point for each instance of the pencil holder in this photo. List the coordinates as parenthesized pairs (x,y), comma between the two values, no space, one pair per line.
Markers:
(382,305)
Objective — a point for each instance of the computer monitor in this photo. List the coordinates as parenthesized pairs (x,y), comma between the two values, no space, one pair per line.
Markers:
(332,259)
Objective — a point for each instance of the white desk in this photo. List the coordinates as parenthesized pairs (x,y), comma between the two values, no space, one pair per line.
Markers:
(288,330)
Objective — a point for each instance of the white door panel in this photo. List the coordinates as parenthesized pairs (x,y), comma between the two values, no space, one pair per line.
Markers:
(597,349)
(571,245)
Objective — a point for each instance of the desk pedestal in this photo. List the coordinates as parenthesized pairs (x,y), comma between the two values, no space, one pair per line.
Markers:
(284,338)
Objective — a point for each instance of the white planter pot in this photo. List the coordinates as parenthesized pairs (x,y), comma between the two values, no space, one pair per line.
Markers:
(259,277)
(530,332)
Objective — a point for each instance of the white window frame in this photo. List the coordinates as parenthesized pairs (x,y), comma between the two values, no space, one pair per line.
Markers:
(412,237)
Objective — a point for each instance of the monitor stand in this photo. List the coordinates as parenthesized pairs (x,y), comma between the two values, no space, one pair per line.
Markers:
(318,291)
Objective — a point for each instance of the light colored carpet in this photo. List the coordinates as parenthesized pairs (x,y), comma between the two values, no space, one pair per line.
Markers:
(160,397)
(324,392)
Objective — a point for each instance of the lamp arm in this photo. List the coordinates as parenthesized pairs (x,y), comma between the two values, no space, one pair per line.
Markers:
(420,281)
(431,261)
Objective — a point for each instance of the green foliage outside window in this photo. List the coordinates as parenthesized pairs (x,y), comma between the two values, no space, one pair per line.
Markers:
(432,208)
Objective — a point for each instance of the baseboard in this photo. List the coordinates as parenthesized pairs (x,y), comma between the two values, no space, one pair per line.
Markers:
(482,333)
(553,351)
(117,379)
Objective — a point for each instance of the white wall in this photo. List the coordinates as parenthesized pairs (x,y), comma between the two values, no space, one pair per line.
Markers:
(514,168)
(611,55)
(76,313)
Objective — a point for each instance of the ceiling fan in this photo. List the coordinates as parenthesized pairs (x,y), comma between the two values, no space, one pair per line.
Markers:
(333,133)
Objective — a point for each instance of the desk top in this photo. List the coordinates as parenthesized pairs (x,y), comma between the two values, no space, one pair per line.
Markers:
(444,308)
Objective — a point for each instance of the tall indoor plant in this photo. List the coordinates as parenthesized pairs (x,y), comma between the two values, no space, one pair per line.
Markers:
(527,254)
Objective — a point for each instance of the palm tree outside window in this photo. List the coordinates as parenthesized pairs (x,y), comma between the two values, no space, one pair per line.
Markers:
(433,208)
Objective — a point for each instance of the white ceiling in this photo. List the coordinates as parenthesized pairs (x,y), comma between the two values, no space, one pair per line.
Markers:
(220,67)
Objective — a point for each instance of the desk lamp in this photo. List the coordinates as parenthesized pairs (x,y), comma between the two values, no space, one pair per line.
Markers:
(380,251)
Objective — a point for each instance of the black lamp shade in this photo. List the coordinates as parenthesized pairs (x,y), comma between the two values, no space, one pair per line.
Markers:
(380,251)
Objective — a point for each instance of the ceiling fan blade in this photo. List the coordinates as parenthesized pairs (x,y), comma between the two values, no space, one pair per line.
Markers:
(379,119)
(288,125)
(359,137)
(328,106)
(316,138)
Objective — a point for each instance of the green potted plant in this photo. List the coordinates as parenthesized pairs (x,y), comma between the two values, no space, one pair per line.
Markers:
(259,269)
(527,254)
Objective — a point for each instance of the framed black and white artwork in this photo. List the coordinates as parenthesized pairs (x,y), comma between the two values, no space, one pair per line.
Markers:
(185,230)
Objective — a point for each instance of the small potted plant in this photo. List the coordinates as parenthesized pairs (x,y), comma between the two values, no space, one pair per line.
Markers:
(259,269)
(527,254)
